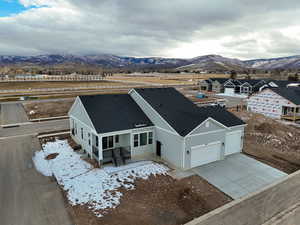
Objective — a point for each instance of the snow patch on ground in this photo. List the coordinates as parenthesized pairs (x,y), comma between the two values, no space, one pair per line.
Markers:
(85,185)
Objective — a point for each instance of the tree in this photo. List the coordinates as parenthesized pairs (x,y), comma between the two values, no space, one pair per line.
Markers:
(233,74)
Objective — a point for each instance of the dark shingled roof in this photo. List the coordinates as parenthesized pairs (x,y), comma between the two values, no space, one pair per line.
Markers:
(283,83)
(182,114)
(110,113)
(220,80)
(291,93)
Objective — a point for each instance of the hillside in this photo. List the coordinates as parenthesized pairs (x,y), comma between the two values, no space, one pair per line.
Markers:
(201,63)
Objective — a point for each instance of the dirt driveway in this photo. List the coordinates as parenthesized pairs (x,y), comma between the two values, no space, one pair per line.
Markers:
(27,197)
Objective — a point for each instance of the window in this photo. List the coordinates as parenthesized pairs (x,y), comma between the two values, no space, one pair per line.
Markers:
(108,142)
(136,140)
(117,138)
(82,133)
(143,139)
(104,143)
(150,138)
(89,136)
(97,141)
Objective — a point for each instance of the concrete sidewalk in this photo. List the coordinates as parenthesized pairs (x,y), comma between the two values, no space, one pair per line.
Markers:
(239,175)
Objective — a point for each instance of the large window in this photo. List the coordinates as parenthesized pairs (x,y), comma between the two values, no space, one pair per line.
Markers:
(143,139)
(136,140)
(117,138)
(108,142)
(150,138)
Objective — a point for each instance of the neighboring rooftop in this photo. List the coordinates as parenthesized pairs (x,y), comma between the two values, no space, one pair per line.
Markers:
(181,113)
(114,112)
(291,93)
(220,80)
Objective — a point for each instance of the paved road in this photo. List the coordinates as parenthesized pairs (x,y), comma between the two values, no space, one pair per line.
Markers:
(35,128)
(27,197)
(11,113)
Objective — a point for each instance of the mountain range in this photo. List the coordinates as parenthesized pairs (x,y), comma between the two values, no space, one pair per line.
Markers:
(201,63)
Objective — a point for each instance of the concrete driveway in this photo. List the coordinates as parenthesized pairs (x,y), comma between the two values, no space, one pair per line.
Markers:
(27,197)
(239,175)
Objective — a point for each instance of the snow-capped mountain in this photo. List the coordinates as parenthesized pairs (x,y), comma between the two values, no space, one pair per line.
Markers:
(291,62)
(207,62)
(213,62)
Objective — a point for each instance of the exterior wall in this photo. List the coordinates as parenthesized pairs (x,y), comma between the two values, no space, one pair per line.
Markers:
(84,142)
(204,86)
(171,147)
(77,111)
(150,112)
(217,87)
(208,126)
(206,135)
(142,150)
(268,103)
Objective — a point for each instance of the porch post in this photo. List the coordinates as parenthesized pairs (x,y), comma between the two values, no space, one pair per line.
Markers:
(100,151)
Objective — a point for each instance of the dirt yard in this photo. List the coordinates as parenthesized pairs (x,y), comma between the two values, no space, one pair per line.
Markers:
(272,142)
(36,110)
(160,200)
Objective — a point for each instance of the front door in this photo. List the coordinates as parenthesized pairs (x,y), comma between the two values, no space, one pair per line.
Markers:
(158,148)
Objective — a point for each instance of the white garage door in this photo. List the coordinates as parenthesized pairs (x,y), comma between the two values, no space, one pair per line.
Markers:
(229,91)
(233,142)
(203,154)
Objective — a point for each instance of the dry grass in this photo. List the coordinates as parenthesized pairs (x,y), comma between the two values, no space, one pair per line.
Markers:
(36,110)
(56,84)
(166,79)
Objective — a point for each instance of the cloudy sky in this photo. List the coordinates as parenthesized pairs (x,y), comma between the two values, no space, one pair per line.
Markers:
(178,28)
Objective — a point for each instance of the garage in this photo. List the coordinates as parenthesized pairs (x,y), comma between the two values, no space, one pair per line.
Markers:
(233,142)
(229,91)
(203,154)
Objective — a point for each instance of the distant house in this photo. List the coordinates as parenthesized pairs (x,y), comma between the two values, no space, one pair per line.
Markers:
(280,83)
(156,122)
(213,84)
(277,103)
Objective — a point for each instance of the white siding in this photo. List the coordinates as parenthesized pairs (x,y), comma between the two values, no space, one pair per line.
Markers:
(171,148)
(147,149)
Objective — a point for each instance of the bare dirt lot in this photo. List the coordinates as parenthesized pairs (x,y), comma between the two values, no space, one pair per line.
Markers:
(160,200)
(47,109)
(166,79)
(56,84)
(272,142)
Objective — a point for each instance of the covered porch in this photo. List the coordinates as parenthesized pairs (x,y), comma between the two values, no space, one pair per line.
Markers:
(114,148)
(291,113)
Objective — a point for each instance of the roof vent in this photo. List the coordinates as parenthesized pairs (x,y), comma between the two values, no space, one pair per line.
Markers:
(140,125)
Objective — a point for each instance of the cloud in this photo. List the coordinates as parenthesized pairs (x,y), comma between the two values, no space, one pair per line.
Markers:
(177,28)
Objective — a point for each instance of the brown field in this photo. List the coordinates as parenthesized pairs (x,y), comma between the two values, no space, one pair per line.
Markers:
(166,79)
(56,84)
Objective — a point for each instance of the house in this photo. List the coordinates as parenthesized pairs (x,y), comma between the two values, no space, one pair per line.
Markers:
(213,84)
(157,122)
(279,103)
(279,83)
(243,86)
